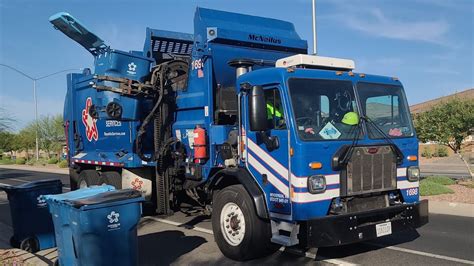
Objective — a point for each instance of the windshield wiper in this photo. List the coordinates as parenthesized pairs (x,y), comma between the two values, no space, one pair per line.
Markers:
(395,148)
(350,149)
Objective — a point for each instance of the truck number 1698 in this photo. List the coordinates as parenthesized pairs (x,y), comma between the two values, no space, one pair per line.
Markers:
(412,192)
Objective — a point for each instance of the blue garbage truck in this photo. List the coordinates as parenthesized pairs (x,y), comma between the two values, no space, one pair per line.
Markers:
(282,147)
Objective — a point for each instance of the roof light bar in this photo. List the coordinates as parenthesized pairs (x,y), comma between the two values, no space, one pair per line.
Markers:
(314,61)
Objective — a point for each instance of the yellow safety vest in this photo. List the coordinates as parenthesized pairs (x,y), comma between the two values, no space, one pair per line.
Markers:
(271,111)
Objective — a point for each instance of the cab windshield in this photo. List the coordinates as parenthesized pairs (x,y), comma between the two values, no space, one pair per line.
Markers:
(386,108)
(323,110)
(319,107)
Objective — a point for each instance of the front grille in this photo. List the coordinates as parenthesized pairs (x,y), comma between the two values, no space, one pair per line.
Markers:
(371,169)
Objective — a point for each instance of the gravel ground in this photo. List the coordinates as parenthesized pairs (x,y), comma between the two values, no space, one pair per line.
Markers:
(461,194)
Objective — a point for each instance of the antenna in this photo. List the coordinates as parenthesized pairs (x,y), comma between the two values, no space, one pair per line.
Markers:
(314,28)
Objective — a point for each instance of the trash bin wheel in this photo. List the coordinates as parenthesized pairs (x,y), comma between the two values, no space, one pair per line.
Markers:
(239,233)
(88,178)
(112,178)
(14,243)
(30,244)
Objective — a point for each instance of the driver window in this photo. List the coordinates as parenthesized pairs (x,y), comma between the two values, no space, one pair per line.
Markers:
(383,107)
(275,114)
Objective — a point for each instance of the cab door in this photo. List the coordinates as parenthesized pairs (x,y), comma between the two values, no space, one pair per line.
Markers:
(267,153)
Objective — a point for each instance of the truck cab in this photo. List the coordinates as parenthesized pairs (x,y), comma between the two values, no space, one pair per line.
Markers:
(328,142)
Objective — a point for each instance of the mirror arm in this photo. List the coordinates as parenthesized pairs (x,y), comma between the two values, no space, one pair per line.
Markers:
(271,142)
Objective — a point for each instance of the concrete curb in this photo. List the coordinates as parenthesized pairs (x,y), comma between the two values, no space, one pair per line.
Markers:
(451,208)
(36,169)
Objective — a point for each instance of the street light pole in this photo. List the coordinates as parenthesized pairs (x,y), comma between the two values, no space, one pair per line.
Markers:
(315,41)
(35,99)
(36,120)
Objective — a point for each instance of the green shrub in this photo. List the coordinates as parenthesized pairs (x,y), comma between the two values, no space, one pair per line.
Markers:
(442,180)
(426,152)
(7,161)
(442,151)
(53,161)
(30,162)
(20,161)
(62,164)
(41,161)
(428,188)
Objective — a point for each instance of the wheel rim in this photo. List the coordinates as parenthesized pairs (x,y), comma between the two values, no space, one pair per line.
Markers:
(232,224)
(83,184)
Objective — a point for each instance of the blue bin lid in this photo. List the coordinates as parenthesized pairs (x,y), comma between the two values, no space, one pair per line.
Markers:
(78,194)
(111,197)
(33,185)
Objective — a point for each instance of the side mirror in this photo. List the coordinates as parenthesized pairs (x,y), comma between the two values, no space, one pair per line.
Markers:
(257,109)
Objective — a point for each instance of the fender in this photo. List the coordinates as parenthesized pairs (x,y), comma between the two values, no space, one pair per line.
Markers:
(243,177)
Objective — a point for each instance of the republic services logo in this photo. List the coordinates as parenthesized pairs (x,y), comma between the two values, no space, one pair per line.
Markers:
(89,122)
(137,184)
(132,68)
(113,217)
(41,201)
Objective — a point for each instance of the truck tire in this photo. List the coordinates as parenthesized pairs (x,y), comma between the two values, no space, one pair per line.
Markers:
(238,231)
(30,244)
(73,179)
(88,178)
(112,178)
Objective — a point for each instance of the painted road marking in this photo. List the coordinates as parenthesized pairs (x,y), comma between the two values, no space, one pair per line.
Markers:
(309,255)
(421,253)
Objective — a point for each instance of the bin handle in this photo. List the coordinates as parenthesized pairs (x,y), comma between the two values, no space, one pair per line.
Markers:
(74,247)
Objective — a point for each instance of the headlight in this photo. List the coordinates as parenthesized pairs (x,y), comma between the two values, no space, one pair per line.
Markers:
(316,184)
(413,173)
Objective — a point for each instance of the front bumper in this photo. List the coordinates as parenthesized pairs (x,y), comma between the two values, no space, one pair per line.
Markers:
(356,227)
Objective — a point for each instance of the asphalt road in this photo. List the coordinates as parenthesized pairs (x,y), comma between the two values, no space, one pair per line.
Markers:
(187,239)
(453,168)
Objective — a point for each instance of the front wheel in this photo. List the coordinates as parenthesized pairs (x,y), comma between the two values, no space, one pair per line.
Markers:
(238,231)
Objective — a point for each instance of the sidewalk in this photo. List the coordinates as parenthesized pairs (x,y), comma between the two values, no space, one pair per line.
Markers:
(451,208)
(36,169)
(437,207)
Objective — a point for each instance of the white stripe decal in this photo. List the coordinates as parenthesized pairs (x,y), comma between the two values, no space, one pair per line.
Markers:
(308,197)
(407,184)
(269,160)
(296,181)
(271,178)
(302,182)
(401,171)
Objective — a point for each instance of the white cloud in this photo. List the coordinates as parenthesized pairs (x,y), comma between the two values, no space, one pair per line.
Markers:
(375,22)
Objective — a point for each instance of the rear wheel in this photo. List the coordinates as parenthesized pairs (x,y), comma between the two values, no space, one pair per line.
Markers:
(238,231)
(73,179)
(30,244)
(112,178)
(88,178)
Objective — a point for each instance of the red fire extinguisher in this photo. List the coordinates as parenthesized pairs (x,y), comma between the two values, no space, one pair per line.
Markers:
(200,152)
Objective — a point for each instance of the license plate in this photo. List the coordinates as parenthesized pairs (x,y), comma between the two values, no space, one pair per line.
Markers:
(383,229)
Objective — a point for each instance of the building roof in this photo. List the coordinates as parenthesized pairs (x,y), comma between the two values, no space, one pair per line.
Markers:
(425,106)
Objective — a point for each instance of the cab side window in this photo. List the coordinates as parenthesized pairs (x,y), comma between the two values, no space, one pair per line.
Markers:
(275,114)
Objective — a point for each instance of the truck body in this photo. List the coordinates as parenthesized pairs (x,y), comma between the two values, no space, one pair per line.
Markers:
(282,147)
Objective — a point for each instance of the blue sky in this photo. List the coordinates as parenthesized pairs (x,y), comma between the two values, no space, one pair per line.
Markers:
(428,44)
